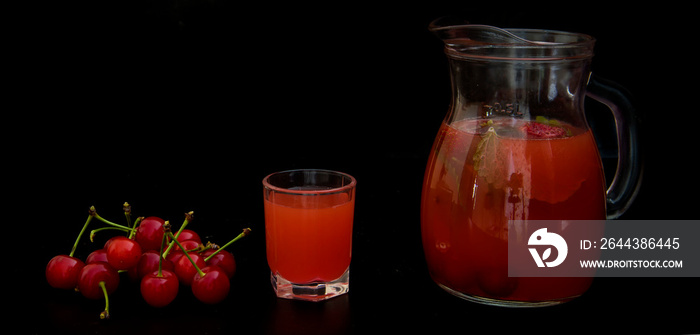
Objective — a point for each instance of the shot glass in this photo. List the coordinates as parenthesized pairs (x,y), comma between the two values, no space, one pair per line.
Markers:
(308,232)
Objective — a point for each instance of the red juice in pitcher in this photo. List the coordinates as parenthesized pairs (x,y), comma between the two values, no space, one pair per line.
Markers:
(483,173)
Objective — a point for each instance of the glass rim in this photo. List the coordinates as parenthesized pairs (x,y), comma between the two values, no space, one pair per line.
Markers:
(345,187)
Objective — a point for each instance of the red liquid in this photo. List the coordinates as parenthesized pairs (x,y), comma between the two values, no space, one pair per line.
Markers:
(309,238)
(476,181)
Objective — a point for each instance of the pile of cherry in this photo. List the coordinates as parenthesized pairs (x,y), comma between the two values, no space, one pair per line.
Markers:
(151,253)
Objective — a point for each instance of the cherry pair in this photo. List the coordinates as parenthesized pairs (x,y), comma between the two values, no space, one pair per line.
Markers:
(210,284)
(208,273)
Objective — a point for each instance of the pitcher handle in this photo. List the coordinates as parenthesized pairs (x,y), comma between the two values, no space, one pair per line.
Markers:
(628,175)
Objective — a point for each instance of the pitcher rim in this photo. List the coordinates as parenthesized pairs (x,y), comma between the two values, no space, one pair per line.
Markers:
(527,44)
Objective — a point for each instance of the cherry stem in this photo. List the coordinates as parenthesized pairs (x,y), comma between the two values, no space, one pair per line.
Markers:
(105,313)
(208,246)
(136,224)
(95,231)
(201,274)
(160,260)
(125,228)
(127,213)
(188,218)
(77,240)
(245,232)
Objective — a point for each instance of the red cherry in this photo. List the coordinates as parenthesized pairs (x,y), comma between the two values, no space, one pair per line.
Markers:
(159,291)
(149,233)
(92,275)
(222,259)
(187,235)
(99,255)
(123,253)
(149,262)
(184,269)
(107,244)
(63,271)
(188,245)
(211,288)
(174,256)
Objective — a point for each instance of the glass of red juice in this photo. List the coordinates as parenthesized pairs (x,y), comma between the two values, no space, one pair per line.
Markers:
(308,232)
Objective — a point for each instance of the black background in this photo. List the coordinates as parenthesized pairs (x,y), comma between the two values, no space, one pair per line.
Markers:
(179,106)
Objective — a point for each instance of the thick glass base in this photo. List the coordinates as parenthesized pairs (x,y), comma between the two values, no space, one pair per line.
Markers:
(504,303)
(315,291)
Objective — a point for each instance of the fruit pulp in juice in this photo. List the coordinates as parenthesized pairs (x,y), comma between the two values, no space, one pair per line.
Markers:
(483,173)
(309,237)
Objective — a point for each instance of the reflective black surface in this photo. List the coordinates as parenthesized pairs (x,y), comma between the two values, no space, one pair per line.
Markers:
(187,108)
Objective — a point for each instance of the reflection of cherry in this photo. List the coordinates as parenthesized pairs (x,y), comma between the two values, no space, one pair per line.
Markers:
(63,271)
(123,253)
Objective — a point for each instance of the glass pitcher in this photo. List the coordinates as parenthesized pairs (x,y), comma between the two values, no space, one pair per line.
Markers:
(515,145)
